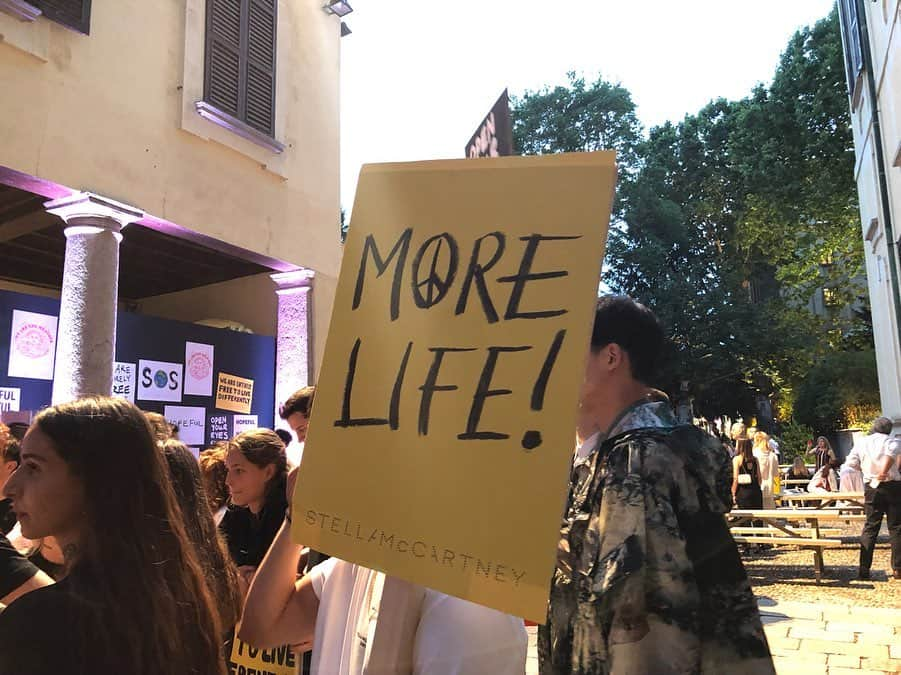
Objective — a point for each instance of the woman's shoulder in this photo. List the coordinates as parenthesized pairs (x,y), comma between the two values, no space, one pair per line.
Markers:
(30,615)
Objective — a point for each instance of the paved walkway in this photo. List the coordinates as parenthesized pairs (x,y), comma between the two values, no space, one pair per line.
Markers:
(819,639)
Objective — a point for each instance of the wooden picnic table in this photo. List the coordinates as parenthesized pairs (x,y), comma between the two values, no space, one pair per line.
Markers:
(779,520)
(825,499)
(795,481)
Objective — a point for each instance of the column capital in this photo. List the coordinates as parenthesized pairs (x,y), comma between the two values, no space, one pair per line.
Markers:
(86,208)
(300,280)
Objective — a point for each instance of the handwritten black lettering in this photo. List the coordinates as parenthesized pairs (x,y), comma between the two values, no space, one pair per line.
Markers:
(525,275)
(436,284)
(475,273)
(430,386)
(484,391)
(400,250)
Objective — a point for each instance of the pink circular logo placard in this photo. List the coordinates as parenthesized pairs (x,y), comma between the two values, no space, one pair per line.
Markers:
(33,341)
(199,366)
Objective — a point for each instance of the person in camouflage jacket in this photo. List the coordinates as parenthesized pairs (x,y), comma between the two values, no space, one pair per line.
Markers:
(648,577)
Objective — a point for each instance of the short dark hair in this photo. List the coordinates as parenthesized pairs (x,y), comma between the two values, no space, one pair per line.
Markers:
(18,430)
(284,435)
(301,401)
(881,425)
(11,453)
(622,321)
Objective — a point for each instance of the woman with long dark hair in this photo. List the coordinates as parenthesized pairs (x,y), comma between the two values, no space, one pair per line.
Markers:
(218,568)
(746,476)
(823,453)
(257,471)
(134,600)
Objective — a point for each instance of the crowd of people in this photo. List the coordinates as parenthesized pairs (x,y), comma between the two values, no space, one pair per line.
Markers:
(872,467)
(126,554)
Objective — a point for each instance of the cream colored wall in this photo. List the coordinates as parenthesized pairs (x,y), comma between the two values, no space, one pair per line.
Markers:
(324,288)
(883,26)
(103,113)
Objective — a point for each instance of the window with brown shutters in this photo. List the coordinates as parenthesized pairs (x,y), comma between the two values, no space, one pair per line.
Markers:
(239,77)
(74,14)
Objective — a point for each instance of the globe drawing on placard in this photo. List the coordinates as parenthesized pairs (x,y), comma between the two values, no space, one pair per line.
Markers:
(160,379)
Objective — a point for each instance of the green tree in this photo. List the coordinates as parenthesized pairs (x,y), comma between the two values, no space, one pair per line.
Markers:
(727,222)
(579,117)
(839,392)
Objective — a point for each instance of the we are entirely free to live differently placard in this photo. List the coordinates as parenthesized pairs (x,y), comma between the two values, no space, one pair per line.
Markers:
(445,412)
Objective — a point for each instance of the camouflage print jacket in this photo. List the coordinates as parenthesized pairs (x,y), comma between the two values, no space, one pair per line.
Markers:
(648,577)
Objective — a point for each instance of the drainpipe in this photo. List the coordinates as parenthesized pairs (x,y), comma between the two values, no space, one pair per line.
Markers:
(864,29)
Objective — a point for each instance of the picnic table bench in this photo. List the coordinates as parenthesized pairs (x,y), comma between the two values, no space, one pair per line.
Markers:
(778,529)
(795,481)
(826,499)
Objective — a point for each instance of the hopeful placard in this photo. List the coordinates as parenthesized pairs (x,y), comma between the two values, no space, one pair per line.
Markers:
(247,660)
(10,399)
(198,369)
(124,380)
(190,420)
(159,381)
(244,422)
(32,345)
(452,371)
(234,393)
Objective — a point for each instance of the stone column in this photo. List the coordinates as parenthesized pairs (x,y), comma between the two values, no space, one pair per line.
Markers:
(86,337)
(292,344)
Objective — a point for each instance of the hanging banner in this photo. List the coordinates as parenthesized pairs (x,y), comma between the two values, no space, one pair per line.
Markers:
(10,398)
(159,381)
(234,393)
(219,428)
(494,137)
(452,371)
(191,422)
(198,369)
(124,380)
(244,422)
(247,660)
(32,345)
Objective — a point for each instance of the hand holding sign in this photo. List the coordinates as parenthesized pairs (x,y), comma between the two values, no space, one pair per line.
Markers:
(452,372)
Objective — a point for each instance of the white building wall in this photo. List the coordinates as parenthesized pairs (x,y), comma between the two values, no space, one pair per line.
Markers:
(883,17)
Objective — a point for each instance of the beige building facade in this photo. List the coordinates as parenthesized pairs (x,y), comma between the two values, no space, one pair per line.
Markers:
(198,137)
(871,33)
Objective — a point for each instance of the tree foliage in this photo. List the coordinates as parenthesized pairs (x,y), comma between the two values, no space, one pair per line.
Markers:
(840,392)
(727,222)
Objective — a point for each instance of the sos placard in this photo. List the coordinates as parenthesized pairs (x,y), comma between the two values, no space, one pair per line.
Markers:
(159,380)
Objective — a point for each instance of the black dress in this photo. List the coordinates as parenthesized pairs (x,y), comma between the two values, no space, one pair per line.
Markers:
(749,495)
(249,536)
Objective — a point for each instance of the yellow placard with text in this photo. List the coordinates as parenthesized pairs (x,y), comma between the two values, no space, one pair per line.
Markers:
(247,660)
(234,393)
(444,419)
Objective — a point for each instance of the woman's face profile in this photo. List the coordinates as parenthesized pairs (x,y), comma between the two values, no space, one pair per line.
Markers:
(47,497)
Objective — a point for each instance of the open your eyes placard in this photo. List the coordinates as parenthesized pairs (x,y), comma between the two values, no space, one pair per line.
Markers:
(444,418)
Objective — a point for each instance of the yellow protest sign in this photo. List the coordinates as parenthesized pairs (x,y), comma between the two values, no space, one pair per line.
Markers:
(247,660)
(234,393)
(445,411)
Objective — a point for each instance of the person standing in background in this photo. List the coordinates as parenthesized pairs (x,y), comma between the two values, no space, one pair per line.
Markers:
(768,464)
(878,456)
(823,453)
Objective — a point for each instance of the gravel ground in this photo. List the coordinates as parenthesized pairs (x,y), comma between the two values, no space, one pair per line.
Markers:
(786,573)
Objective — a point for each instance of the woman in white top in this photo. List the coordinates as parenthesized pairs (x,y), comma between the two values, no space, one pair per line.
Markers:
(769,468)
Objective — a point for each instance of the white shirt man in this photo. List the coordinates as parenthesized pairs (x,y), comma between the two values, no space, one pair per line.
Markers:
(877,455)
(870,453)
